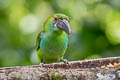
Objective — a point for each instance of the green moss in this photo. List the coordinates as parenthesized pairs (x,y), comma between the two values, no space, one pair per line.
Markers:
(53,75)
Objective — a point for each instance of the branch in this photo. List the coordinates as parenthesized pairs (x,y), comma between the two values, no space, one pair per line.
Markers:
(96,69)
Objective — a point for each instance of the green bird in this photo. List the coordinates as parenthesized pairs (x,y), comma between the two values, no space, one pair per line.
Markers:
(53,40)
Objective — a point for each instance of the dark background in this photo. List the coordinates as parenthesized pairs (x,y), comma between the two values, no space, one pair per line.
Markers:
(95,28)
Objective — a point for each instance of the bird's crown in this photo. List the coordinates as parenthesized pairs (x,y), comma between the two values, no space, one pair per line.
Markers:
(58,21)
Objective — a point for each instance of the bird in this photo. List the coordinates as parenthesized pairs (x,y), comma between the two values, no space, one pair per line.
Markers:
(53,40)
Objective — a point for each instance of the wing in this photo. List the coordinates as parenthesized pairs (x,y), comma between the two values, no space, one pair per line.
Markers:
(39,37)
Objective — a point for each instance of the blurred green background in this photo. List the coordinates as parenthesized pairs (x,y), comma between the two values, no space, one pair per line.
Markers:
(95,28)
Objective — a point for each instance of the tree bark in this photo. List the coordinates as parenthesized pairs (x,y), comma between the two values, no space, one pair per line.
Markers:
(95,69)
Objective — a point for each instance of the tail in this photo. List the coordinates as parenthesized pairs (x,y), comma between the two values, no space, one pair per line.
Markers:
(38,54)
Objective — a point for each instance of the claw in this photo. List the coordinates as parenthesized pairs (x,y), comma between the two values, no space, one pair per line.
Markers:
(41,64)
(66,62)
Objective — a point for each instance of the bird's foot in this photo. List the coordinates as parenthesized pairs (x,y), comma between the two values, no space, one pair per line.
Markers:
(41,64)
(66,62)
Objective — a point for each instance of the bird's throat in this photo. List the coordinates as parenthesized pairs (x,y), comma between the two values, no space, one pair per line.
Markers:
(57,32)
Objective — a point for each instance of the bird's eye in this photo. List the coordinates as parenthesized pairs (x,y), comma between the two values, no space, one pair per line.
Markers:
(55,18)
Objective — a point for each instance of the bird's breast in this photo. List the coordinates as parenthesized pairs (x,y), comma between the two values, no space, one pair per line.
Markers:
(54,44)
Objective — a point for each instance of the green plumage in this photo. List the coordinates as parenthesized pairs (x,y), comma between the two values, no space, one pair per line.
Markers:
(52,41)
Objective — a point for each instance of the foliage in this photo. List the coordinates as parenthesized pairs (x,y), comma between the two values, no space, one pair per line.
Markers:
(95,28)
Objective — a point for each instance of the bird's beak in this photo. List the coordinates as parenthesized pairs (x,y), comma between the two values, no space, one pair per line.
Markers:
(64,25)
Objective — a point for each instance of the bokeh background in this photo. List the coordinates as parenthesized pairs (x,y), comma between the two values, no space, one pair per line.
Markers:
(95,28)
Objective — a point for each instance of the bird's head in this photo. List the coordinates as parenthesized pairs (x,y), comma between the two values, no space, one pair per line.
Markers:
(60,22)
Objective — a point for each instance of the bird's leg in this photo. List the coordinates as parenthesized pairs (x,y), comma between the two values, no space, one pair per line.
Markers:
(41,64)
(66,62)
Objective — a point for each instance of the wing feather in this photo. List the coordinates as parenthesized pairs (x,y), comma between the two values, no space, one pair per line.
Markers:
(39,37)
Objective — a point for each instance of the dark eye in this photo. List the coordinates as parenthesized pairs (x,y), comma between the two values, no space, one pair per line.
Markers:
(55,18)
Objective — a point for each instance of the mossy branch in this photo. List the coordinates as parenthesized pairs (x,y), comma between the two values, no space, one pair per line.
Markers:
(95,69)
